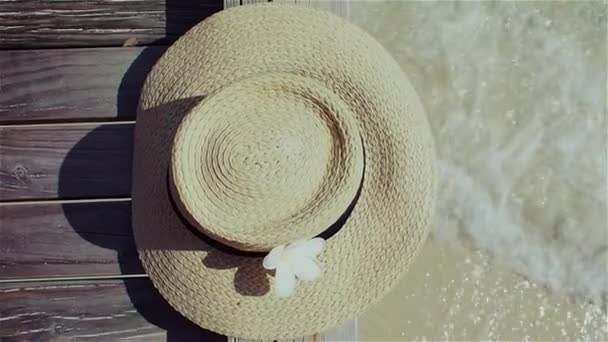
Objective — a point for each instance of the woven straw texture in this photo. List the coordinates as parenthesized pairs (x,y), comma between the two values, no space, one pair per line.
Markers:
(267,161)
(280,106)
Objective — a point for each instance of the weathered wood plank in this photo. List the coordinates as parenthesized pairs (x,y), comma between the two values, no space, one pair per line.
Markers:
(67,239)
(339,7)
(83,158)
(101,311)
(234,3)
(72,84)
(84,239)
(65,161)
(108,310)
(50,23)
(83,84)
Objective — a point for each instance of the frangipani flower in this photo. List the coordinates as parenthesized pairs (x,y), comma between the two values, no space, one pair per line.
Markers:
(293,260)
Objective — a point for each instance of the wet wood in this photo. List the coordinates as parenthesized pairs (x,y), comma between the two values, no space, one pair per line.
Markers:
(49,23)
(92,311)
(67,239)
(65,161)
(72,84)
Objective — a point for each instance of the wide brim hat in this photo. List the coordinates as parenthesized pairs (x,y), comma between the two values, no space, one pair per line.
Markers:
(268,124)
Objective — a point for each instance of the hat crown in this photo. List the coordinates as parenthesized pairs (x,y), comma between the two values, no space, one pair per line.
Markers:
(266,161)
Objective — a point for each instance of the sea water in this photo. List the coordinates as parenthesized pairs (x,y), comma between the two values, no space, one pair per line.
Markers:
(516,96)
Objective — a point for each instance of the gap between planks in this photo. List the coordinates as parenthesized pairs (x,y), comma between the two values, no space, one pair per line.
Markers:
(4,282)
(91,85)
(64,124)
(52,226)
(66,201)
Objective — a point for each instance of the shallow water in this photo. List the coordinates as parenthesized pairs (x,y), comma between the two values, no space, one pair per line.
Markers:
(516,96)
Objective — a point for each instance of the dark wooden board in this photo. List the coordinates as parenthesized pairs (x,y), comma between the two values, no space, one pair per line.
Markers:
(73,84)
(101,311)
(69,23)
(70,239)
(65,161)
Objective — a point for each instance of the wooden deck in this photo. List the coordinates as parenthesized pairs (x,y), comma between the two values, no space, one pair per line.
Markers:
(70,76)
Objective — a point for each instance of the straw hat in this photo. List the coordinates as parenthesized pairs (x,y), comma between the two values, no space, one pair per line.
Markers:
(269,125)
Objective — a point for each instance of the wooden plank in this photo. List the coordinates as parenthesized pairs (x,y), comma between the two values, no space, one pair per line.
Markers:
(72,84)
(101,311)
(65,161)
(62,239)
(339,7)
(83,84)
(84,239)
(84,156)
(67,239)
(51,23)
(104,311)
(228,3)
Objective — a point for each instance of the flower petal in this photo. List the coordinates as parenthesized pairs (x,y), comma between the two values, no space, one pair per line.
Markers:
(294,246)
(284,281)
(272,259)
(310,248)
(305,268)
(315,246)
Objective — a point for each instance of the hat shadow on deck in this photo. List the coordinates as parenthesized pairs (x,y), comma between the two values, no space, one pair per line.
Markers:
(108,225)
(250,278)
(100,163)
(102,159)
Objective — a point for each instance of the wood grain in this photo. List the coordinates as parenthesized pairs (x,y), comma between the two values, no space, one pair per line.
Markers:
(107,310)
(58,239)
(58,85)
(67,239)
(65,161)
(51,23)
(232,3)
(72,84)
(100,311)
(84,239)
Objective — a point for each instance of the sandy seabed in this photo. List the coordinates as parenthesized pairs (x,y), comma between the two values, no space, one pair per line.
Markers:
(516,96)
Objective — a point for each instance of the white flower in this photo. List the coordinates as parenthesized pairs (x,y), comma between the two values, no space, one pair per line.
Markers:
(293,260)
